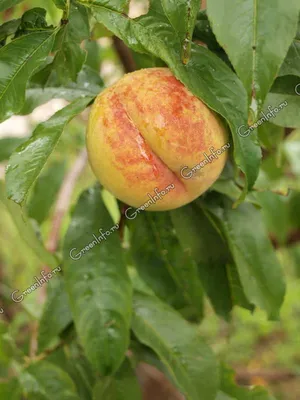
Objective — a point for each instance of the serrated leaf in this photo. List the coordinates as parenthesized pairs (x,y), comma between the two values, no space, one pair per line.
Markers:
(5,4)
(45,381)
(122,386)
(205,246)
(27,232)
(56,314)
(98,284)
(88,84)
(257,43)
(190,363)
(70,57)
(26,163)
(258,267)
(205,75)
(18,61)
(163,264)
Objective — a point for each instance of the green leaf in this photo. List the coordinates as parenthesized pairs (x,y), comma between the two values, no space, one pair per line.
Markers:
(270,135)
(255,259)
(257,42)
(33,20)
(45,191)
(93,59)
(97,283)
(5,4)
(45,381)
(56,313)
(203,33)
(122,386)
(88,84)
(8,145)
(163,265)
(190,363)
(229,388)
(70,57)
(10,390)
(205,75)
(286,108)
(291,65)
(72,360)
(27,232)
(62,4)
(7,29)
(116,5)
(182,16)
(27,161)
(18,60)
(275,204)
(202,242)
(8,348)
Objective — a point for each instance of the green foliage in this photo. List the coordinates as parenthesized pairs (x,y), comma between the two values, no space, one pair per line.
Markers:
(36,151)
(251,251)
(190,363)
(19,59)
(97,283)
(164,266)
(122,386)
(246,51)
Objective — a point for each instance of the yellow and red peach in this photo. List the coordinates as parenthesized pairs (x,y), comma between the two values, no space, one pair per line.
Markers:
(148,132)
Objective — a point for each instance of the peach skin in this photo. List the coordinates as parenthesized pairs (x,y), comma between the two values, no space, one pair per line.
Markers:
(147,132)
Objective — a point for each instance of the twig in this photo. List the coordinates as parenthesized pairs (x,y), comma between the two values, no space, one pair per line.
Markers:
(124,54)
(64,199)
(244,376)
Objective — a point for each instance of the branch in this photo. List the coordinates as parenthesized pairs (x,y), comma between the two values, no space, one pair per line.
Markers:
(64,199)
(244,376)
(124,54)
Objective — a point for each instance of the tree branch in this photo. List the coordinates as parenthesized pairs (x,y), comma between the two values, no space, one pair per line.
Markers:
(124,54)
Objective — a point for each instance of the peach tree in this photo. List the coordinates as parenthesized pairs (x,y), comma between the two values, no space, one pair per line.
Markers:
(132,286)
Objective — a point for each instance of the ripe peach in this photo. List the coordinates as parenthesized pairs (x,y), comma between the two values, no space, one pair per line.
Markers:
(147,132)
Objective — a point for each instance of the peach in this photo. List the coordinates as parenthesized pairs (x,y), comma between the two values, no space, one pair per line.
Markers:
(152,143)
